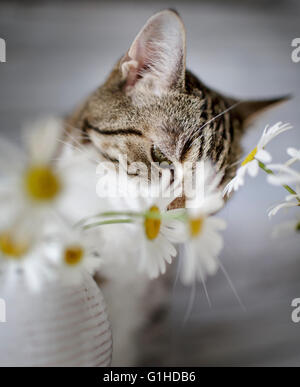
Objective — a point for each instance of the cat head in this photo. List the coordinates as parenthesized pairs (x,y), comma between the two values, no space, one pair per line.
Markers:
(152,109)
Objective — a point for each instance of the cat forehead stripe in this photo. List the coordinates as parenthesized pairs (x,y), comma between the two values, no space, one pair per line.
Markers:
(111,132)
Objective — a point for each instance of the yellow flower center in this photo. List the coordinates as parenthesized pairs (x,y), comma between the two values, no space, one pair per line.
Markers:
(73,255)
(41,183)
(196,226)
(13,247)
(298,227)
(152,225)
(250,157)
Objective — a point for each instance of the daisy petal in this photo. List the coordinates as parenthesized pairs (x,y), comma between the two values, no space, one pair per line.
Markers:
(42,139)
(293,152)
(263,156)
(253,168)
(275,209)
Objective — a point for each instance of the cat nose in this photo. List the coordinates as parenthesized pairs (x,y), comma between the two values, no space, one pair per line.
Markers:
(177,203)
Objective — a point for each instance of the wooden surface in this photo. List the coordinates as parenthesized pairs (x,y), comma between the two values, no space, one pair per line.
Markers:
(58,53)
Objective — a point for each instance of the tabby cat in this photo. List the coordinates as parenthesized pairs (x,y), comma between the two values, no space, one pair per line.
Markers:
(152,109)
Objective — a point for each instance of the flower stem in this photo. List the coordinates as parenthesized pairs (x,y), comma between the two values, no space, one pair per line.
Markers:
(133,214)
(111,221)
(119,213)
(106,215)
(146,214)
(270,172)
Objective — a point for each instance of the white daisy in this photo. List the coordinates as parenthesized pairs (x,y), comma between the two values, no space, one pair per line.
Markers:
(204,242)
(202,249)
(22,258)
(37,185)
(236,182)
(285,175)
(74,253)
(292,200)
(156,232)
(250,164)
(273,211)
(208,199)
(294,154)
(35,194)
(30,182)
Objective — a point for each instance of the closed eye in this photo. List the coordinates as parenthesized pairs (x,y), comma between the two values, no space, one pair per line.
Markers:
(111,132)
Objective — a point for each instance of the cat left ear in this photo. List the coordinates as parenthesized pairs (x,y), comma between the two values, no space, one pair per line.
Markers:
(155,62)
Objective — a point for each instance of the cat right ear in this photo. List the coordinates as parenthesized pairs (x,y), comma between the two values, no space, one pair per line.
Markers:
(249,110)
(155,62)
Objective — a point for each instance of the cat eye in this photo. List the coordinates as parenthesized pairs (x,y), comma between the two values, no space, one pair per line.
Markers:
(159,157)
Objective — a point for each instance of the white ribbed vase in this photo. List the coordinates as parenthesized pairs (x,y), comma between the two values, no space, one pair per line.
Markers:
(59,326)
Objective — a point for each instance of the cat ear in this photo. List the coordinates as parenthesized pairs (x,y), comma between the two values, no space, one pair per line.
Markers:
(155,62)
(248,110)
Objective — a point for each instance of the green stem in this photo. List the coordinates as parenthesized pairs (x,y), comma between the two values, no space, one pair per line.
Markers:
(108,214)
(133,214)
(119,213)
(146,214)
(111,221)
(270,172)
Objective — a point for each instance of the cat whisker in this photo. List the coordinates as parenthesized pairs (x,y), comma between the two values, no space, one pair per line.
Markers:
(190,304)
(220,114)
(179,266)
(72,126)
(82,151)
(239,161)
(206,291)
(233,165)
(71,146)
(68,134)
(213,119)
(232,285)
(80,147)
(192,299)
(193,291)
(82,135)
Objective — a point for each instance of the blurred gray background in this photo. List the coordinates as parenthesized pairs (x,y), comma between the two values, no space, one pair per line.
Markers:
(57,52)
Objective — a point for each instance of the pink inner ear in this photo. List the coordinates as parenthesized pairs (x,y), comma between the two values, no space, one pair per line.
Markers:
(138,53)
(156,57)
(132,75)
